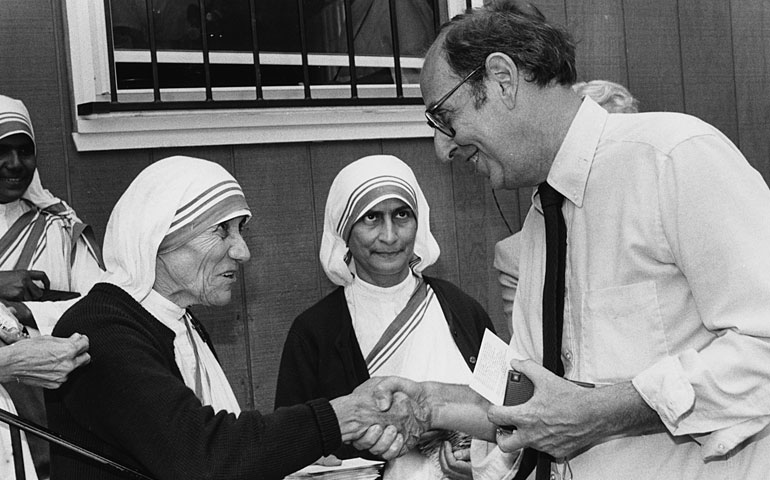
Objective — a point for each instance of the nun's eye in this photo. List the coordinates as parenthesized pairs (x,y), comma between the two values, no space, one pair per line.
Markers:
(223,229)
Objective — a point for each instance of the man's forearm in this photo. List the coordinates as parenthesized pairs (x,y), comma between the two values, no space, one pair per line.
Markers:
(621,410)
(457,407)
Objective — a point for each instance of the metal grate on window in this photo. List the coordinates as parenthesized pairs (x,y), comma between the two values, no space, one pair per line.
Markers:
(220,54)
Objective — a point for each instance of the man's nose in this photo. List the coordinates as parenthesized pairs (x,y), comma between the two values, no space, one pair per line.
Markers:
(447,150)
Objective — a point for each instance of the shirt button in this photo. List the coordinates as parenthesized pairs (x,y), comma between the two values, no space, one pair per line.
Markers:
(721,447)
(568,355)
(472,360)
(553,476)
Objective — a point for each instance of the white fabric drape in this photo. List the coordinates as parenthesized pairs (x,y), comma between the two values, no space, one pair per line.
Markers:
(174,198)
(356,189)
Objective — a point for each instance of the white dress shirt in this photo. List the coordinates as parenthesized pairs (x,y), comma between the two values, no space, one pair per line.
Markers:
(668,286)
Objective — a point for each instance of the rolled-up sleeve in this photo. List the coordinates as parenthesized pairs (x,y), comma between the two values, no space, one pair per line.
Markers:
(715,212)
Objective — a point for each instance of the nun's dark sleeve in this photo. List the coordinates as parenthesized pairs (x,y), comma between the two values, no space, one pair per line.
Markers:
(131,404)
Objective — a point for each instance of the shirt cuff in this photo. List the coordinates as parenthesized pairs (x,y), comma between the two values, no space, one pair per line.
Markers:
(667,390)
(490,463)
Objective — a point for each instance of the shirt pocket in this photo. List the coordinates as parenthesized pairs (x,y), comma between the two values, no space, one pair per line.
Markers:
(622,332)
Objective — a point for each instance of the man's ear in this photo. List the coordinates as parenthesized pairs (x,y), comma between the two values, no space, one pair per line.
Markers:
(504,74)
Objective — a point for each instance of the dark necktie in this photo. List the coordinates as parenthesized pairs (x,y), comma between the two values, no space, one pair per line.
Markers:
(553,309)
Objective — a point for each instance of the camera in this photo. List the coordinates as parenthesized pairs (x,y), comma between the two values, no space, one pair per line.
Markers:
(518,389)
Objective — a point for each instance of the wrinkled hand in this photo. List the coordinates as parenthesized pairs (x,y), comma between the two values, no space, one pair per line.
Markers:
(455,465)
(19,285)
(22,313)
(328,461)
(11,331)
(44,361)
(559,419)
(384,420)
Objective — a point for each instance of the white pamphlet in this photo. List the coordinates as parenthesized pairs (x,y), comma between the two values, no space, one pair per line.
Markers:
(491,370)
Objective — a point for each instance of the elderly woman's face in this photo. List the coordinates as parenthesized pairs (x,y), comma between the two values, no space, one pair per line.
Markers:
(382,242)
(204,270)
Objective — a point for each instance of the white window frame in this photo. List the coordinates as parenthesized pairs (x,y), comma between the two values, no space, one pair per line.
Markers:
(89,69)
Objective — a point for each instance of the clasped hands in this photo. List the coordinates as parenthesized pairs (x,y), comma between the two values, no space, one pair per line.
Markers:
(385,415)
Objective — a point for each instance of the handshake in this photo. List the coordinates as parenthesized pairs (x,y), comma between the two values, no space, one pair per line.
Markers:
(385,415)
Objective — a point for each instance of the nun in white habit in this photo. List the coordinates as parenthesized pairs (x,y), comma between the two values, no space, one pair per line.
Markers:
(386,317)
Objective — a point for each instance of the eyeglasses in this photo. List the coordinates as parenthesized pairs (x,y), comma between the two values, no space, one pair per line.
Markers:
(433,120)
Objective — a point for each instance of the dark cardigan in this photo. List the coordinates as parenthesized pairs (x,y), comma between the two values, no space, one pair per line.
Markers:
(131,404)
(322,358)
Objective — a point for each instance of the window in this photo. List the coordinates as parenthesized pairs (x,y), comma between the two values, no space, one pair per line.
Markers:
(207,72)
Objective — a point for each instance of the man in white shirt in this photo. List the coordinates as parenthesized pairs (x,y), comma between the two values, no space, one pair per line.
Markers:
(667,288)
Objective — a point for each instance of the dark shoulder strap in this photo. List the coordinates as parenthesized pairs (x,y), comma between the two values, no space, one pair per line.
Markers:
(198,326)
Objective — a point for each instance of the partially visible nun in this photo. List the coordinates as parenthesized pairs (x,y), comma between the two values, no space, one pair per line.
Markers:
(43,246)
(386,317)
(154,396)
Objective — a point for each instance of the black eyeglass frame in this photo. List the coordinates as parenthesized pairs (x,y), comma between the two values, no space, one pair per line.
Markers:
(430,113)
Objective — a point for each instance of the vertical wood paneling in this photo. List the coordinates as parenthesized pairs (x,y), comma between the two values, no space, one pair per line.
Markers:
(473,248)
(597,26)
(280,278)
(707,63)
(97,183)
(654,61)
(28,71)
(554,10)
(751,46)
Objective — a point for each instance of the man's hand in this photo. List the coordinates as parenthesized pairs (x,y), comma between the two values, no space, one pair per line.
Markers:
(20,285)
(561,417)
(43,361)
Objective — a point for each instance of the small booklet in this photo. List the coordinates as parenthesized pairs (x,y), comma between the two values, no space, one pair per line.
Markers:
(351,469)
(491,370)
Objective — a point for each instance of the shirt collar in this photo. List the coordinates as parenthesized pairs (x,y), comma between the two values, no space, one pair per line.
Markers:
(166,311)
(572,165)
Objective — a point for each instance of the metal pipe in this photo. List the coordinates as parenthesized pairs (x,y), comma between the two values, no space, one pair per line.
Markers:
(255,49)
(153,50)
(303,48)
(17,423)
(351,49)
(396,48)
(111,51)
(205,49)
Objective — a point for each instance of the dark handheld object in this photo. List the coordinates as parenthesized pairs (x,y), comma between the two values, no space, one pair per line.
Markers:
(518,389)
(57,295)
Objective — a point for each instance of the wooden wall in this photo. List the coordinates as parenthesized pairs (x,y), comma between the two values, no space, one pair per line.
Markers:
(710,58)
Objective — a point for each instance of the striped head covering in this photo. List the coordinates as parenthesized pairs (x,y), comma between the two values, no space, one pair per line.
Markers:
(357,188)
(14,118)
(168,203)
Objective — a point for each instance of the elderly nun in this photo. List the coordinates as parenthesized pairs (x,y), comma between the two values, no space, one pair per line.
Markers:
(154,396)
(386,317)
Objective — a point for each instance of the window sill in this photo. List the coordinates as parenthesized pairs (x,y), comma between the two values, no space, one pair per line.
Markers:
(132,130)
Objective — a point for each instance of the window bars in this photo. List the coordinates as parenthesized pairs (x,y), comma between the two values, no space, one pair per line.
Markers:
(348,93)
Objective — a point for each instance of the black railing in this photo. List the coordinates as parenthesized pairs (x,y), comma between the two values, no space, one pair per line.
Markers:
(115,104)
(17,424)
